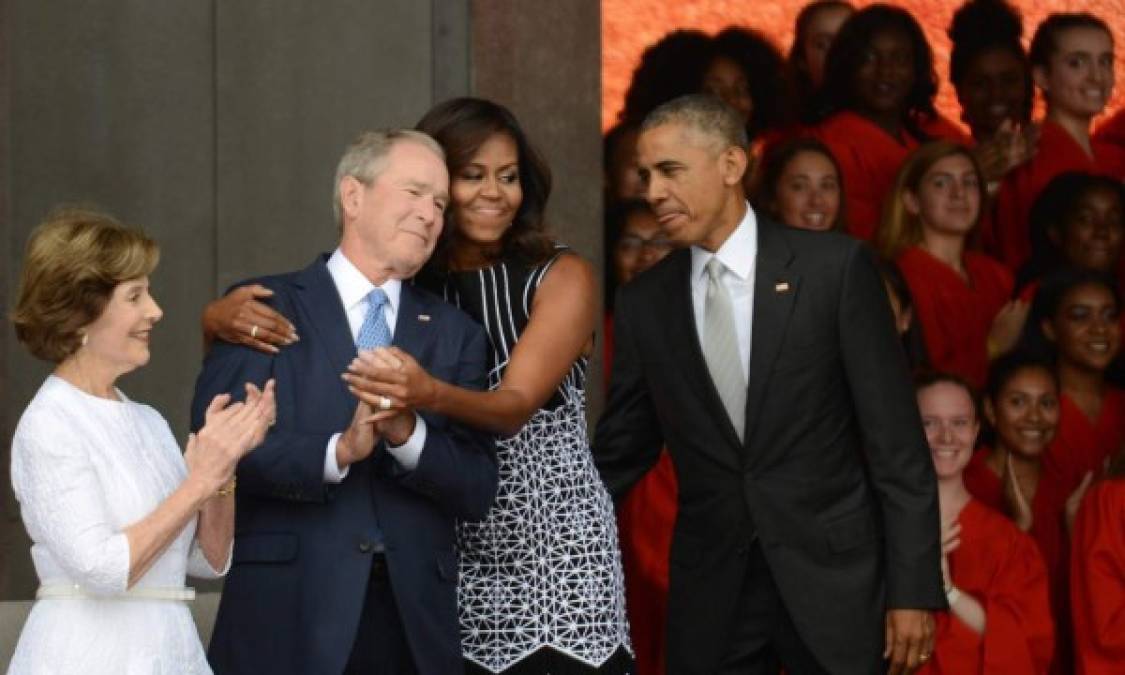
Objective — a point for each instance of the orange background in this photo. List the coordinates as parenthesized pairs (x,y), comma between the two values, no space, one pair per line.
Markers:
(628,26)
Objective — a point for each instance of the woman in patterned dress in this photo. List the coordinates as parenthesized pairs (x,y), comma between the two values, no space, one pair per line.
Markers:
(541,587)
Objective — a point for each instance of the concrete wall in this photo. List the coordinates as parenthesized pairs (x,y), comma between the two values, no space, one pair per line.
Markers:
(217,125)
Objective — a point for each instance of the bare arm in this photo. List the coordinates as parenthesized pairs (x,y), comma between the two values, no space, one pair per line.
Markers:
(563,316)
(230,433)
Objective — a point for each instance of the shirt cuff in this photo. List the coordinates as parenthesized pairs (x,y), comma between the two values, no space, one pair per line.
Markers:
(332,471)
(410,452)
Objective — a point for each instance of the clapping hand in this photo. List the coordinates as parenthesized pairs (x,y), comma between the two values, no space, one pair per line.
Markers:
(230,431)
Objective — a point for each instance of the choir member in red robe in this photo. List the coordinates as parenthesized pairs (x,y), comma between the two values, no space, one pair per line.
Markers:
(990,71)
(1072,63)
(799,184)
(961,298)
(875,105)
(1098,577)
(1078,322)
(999,618)
(1022,407)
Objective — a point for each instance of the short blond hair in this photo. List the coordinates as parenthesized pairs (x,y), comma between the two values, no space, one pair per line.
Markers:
(74,260)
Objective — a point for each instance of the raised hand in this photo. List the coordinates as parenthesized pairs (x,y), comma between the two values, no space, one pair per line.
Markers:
(241,318)
(230,431)
(1007,327)
(950,541)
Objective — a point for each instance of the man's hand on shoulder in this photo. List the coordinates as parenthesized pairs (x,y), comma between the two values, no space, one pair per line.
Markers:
(910,640)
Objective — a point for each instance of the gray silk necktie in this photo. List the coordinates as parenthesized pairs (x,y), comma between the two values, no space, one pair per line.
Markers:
(720,347)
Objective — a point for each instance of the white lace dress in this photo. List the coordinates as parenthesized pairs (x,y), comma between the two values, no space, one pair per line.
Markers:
(83,469)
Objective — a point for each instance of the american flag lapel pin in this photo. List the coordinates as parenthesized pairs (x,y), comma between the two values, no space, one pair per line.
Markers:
(423,317)
(781,287)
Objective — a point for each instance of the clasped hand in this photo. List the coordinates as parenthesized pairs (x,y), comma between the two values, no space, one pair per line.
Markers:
(389,384)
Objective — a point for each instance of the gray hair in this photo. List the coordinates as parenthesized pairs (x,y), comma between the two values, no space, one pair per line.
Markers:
(366,157)
(702,112)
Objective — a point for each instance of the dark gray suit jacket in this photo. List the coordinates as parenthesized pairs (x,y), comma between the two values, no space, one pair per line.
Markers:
(834,476)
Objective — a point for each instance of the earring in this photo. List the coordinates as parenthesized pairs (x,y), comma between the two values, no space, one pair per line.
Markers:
(85,339)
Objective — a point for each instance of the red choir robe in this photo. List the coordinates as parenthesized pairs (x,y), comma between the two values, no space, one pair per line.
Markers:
(956,316)
(645,520)
(869,158)
(1008,238)
(1098,580)
(1003,570)
(1081,444)
(1048,529)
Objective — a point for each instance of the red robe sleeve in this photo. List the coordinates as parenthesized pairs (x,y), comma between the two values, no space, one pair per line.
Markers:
(956,315)
(1001,568)
(869,158)
(1082,445)
(645,520)
(1098,580)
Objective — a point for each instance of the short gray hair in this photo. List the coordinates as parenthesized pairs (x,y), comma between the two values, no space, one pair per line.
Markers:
(366,157)
(702,112)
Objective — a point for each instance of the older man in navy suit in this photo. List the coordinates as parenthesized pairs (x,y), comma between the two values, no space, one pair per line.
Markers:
(344,553)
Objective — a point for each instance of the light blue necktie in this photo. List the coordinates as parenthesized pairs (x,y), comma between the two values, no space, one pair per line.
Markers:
(374,332)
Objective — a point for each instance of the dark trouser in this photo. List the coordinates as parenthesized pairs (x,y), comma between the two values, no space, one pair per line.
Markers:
(763,637)
(380,643)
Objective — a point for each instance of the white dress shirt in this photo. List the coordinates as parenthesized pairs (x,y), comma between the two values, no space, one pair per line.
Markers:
(353,288)
(738,255)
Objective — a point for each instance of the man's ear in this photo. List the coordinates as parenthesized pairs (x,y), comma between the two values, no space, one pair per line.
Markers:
(732,165)
(351,195)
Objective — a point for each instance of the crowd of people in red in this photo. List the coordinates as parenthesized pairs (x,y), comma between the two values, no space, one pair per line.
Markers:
(1001,254)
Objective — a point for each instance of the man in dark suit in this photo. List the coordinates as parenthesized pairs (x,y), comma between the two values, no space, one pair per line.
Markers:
(344,552)
(766,359)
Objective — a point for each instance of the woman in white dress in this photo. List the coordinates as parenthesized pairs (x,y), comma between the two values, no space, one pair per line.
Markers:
(116,514)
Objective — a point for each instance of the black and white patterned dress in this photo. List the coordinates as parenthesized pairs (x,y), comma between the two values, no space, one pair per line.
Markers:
(543,569)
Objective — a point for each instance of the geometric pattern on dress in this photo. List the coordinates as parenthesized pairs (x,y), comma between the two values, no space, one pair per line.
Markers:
(543,568)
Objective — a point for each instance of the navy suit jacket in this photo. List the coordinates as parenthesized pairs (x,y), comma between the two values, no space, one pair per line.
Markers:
(303,547)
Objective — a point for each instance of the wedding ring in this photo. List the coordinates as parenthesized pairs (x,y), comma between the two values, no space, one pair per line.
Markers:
(923,657)
(254,331)
(384,403)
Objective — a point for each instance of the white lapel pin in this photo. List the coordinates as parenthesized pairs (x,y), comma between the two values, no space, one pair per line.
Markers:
(423,317)
(781,287)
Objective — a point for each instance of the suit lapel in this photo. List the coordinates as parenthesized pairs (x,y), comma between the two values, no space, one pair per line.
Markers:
(775,291)
(320,300)
(685,342)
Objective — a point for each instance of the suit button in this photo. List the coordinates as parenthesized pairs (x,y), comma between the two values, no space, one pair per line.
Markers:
(366,547)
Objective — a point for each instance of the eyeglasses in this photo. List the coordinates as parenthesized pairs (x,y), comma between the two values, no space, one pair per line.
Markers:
(631,243)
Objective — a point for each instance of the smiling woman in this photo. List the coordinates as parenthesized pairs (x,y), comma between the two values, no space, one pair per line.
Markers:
(117,516)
